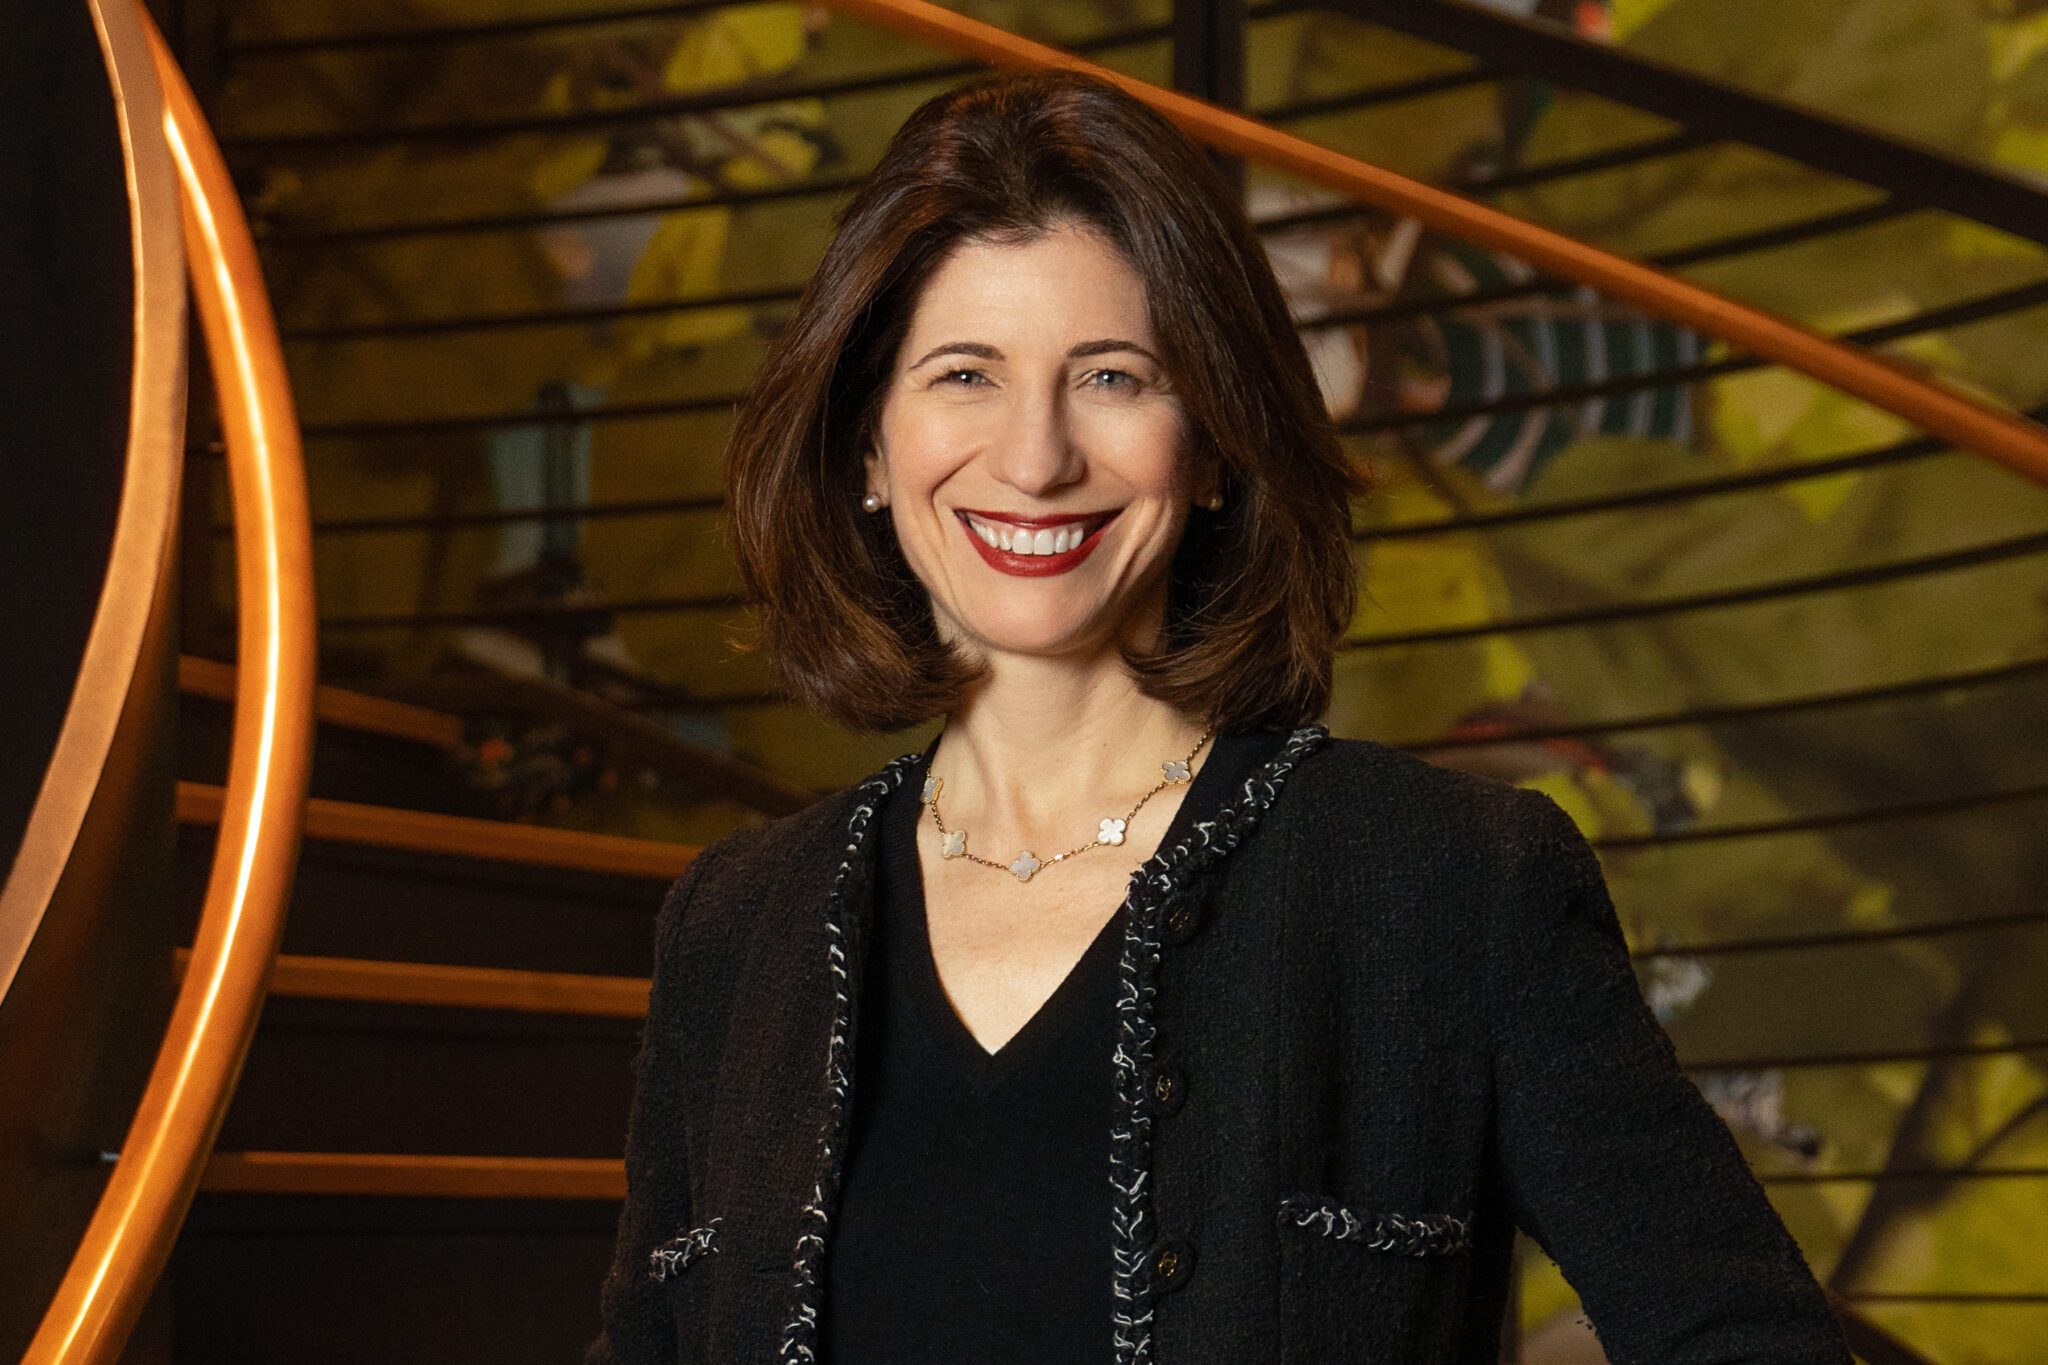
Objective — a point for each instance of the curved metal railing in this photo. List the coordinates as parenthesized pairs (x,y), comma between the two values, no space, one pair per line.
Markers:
(153,1181)
(145,532)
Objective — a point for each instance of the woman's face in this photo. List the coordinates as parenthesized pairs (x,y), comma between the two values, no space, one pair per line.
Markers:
(1030,448)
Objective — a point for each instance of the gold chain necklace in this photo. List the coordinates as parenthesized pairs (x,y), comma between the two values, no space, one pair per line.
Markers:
(953,842)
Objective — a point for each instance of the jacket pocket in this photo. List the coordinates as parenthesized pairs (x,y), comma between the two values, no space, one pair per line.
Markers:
(1403,1234)
(677,1254)
(679,1266)
(1358,1284)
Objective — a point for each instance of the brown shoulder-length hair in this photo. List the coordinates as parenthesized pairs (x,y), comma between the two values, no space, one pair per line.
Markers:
(1259,592)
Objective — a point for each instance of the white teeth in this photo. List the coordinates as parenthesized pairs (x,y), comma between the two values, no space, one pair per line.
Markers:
(1022,541)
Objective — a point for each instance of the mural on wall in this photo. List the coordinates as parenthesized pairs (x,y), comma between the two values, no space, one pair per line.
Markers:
(1668,731)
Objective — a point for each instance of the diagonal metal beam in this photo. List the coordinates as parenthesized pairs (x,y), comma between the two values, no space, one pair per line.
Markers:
(1916,173)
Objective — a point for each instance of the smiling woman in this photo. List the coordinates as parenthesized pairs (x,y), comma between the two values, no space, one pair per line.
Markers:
(1043,304)
(1249,1045)
(1039,425)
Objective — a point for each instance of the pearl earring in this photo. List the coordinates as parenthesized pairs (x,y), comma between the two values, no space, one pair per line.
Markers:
(1213,502)
(871,503)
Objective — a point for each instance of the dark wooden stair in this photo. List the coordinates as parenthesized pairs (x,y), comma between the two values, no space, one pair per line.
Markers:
(423,1158)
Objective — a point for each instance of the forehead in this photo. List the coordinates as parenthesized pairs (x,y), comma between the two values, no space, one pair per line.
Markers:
(1064,280)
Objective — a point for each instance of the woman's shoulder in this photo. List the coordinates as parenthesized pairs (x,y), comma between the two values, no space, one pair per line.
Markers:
(1466,844)
(1362,784)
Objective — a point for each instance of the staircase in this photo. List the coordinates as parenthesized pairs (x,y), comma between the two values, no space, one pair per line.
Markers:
(1778,648)
(430,1117)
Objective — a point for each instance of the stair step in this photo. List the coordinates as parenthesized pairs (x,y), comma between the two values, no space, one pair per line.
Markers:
(436,985)
(215,680)
(366,749)
(463,836)
(393,905)
(314,1280)
(367,1076)
(414,1176)
(630,739)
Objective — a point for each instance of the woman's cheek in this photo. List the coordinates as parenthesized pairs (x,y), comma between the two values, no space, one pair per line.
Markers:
(1149,439)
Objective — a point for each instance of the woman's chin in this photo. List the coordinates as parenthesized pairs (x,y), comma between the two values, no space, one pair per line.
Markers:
(1038,632)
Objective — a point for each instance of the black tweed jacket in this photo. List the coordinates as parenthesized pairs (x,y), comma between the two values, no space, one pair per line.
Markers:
(1373,1016)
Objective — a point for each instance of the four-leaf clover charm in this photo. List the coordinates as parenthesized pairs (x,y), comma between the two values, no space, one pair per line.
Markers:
(1110,831)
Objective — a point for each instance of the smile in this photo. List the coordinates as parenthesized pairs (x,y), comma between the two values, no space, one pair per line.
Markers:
(1033,547)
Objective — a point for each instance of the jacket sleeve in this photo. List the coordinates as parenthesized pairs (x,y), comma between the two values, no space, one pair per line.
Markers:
(637,1327)
(1611,1158)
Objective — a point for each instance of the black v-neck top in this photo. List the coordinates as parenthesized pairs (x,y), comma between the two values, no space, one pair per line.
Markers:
(974,1217)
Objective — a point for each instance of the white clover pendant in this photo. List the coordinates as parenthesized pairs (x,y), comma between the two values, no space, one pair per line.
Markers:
(1176,769)
(954,845)
(1024,865)
(1112,831)
(931,789)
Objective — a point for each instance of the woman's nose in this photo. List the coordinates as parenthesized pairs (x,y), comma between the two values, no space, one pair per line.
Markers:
(1039,454)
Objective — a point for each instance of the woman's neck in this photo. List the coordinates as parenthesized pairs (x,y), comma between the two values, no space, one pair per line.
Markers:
(1039,742)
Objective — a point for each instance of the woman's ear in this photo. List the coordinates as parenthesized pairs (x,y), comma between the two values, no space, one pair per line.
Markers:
(1208,483)
(876,467)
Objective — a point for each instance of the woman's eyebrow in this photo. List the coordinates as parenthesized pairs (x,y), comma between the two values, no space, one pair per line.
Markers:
(985,351)
(1108,344)
(974,348)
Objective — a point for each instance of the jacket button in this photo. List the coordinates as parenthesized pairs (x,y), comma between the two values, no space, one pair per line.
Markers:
(1166,1090)
(1180,921)
(1172,1261)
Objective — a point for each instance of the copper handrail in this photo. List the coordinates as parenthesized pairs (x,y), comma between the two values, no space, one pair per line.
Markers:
(139,559)
(1934,407)
(165,1151)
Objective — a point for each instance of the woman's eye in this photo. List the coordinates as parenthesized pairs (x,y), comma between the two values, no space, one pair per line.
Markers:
(1106,379)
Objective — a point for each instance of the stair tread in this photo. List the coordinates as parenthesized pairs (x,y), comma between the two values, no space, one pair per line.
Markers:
(461,987)
(215,680)
(414,1174)
(463,836)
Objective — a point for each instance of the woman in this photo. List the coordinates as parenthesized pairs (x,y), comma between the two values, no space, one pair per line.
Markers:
(1134,1017)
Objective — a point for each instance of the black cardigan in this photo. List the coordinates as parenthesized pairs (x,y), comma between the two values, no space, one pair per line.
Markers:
(1370,1017)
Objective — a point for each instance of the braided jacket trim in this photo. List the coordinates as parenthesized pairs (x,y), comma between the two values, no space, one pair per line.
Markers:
(1169,875)
(800,1334)
(1434,1234)
(674,1256)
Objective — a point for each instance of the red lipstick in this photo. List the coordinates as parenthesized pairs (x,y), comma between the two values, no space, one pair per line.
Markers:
(1033,566)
